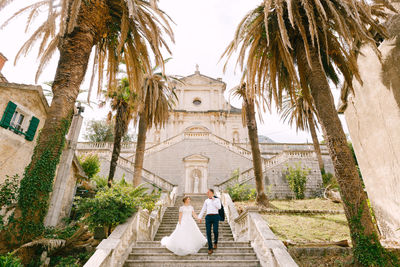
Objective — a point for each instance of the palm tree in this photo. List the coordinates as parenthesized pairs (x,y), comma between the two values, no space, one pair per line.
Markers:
(114,30)
(249,119)
(157,97)
(123,102)
(290,44)
(301,113)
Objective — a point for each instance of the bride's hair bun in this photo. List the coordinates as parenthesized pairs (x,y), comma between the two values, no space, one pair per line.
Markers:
(185,198)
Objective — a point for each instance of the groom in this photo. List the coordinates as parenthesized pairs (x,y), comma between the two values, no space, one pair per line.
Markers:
(210,208)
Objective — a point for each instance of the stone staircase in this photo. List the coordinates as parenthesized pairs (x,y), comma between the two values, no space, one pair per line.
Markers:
(229,252)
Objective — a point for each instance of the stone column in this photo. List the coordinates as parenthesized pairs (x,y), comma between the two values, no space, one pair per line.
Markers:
(373,118)
(64,179)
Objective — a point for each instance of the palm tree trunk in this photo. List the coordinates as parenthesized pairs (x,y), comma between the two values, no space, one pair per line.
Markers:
(314,137)
(351,190)
(37,181)
(121,126)
(140,147)
(251,122)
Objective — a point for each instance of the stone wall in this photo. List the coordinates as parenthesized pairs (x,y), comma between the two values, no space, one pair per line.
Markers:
(276,185)
(168,163)
(373,119)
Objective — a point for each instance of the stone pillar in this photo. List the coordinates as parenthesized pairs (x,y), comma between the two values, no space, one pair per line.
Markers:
(373,118)
(62,194)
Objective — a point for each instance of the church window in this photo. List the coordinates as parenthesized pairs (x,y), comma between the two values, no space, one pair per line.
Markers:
(197,102)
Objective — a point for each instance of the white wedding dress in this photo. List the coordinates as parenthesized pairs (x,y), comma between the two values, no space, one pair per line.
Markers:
(186,238)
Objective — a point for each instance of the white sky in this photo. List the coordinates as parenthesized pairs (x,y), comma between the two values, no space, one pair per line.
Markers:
(203,29)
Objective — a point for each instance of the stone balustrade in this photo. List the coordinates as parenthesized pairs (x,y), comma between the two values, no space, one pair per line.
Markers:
(147,176)
(279,159)
(250,226)
(142,226)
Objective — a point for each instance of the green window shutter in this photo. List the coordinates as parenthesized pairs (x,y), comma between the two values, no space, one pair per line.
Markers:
(8,114)
(33,125)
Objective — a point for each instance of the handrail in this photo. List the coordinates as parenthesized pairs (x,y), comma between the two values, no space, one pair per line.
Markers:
(250,226)
(147,175)
(248,174)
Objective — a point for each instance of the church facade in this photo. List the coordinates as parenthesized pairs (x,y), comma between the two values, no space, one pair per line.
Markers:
(204,142)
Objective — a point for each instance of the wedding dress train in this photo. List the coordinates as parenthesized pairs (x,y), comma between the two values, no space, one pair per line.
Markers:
(186,238)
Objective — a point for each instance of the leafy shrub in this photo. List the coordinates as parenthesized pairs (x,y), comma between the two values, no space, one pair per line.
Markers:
(297,178)
(114,205)
(242,192)
(90,164)
(10,261)
(100,181)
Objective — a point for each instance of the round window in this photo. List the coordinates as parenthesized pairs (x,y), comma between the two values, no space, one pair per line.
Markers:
(196,102)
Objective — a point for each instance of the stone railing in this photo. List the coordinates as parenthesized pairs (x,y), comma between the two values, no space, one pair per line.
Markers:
(147,176)
(275,148)
(230,146)
(245,176)
(125,146)
(142,226)
(281,158)
(250,226)
(131,146)
(156,180)
(160,146)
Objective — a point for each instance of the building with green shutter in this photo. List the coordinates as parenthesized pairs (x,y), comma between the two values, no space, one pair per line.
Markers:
(23,111)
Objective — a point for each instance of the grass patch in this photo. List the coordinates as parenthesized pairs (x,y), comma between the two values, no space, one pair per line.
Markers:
(295,204)
(307,204)
(309,228)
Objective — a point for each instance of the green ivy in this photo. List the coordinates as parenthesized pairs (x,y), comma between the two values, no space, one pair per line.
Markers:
(368,251)
(36,185)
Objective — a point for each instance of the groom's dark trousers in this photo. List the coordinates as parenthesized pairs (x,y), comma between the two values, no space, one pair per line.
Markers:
(212,220)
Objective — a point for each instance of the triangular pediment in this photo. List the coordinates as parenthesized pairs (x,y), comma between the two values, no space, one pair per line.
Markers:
(200,79)
(196,157)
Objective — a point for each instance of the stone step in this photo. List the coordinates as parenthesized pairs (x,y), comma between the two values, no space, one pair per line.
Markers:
(169,231)
(201,227)
(198,256)
(221,244)
(220,236)
(159,238)
(192,263)
(202,250)
(175,221)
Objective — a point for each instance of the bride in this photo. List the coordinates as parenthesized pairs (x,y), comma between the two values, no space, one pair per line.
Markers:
(186,238)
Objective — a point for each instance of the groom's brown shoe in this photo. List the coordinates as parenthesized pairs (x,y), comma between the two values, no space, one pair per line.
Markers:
(210,251)
(215,246)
